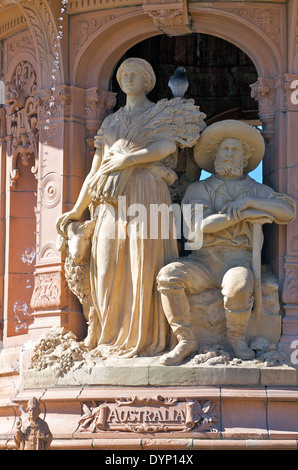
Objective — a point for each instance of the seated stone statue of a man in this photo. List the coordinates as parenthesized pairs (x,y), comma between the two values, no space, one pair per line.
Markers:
(232,202)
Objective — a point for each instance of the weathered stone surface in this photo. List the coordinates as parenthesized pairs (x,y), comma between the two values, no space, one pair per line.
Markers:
(149,372)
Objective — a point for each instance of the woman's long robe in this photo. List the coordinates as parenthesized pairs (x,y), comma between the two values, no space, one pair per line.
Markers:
(124,269)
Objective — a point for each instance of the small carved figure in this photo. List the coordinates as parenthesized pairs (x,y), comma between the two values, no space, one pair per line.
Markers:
(234,209)
(37,435)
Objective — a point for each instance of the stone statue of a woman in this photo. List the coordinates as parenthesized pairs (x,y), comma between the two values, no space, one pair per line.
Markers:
(135,158)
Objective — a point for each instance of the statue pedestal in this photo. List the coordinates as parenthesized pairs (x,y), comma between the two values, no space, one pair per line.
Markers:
(148,372)
(138,404)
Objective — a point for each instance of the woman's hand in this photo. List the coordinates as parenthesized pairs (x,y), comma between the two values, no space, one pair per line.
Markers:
(64,218)
(116,161)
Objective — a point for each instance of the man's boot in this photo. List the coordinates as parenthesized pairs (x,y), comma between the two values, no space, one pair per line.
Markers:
(236,333)
(177,311)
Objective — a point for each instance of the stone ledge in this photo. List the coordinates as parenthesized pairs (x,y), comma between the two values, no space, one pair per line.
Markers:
(247,414)
(188,445)
(149,372)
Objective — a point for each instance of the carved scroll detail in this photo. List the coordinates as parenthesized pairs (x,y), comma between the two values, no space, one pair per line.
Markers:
(149,415)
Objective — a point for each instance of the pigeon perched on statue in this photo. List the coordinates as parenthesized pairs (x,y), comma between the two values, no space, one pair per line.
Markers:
(178,82)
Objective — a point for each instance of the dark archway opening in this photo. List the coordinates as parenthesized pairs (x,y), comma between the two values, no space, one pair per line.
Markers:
(219,73)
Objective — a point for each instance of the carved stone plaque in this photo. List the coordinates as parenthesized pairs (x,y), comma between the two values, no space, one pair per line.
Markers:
(149,415)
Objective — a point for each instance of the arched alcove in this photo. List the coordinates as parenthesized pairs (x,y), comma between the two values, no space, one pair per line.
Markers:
(97,59)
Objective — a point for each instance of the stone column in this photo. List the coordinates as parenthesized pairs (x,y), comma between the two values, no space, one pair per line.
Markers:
(20,156)
(65,154)
(61,168)
(290,277)
(279,116)
(2,213)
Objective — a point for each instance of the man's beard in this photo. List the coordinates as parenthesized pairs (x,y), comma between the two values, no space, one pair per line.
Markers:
(226,169)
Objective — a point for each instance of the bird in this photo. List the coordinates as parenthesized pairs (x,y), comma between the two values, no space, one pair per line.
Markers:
(178,82)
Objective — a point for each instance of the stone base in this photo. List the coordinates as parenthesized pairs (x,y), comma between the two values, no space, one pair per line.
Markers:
(138,404)
(159,418)
(149,372)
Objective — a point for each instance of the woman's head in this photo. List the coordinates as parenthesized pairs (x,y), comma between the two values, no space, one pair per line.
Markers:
(135,70)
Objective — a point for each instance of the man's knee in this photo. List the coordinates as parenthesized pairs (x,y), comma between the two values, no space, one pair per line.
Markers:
(237,288)
(171,276)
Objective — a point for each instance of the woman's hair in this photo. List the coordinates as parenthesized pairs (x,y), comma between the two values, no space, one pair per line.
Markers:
(143,67)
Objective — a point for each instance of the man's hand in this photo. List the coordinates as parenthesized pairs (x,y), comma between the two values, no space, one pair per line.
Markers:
(234,209)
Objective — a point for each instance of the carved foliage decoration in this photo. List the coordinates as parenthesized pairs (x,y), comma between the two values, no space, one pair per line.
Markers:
(171,17)
(22,121)
(264,18)
(150,415)
(290,284)
(98,104)
(44,30)
(263,91)
(85,28)
(50,291)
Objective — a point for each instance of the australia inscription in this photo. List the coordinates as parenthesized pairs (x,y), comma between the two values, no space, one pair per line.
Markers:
(149,415)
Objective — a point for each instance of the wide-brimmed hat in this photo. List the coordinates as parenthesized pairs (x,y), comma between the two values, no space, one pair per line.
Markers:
(213,135)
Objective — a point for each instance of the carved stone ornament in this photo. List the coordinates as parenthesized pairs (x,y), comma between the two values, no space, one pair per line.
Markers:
(150,415)
(290,285)
(264,18)
(55,104)
(43,26)
(98,104)
(85,28)
(264,92)
(49,291)
(36,435)
(97,101)
(22,120)
(169,17)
